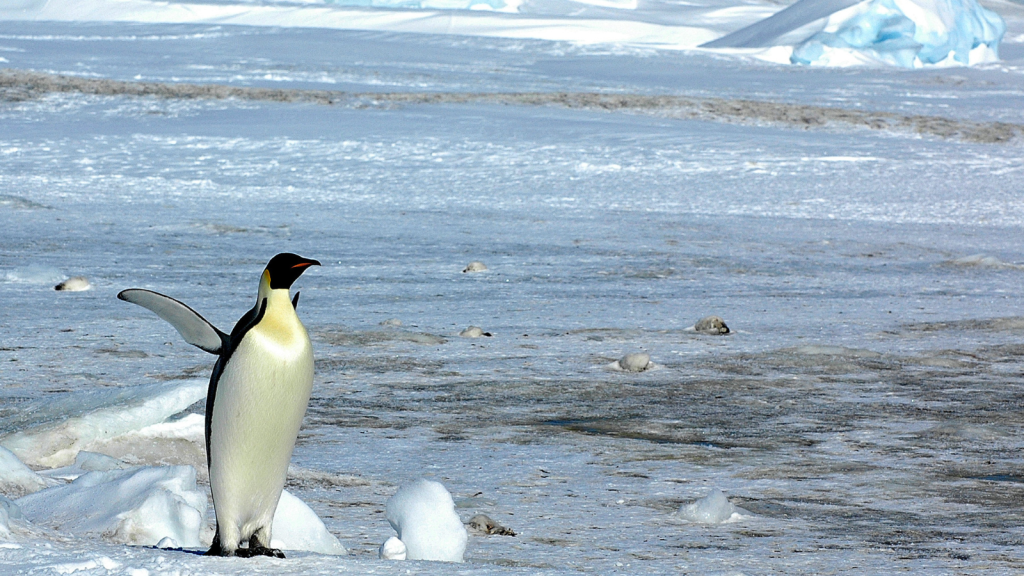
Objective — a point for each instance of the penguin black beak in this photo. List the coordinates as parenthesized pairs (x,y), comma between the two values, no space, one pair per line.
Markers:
(306,263)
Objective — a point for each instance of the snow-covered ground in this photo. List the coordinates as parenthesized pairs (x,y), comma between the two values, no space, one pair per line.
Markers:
(858,228)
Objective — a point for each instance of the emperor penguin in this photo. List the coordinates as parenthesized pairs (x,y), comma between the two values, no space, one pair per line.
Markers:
(258,393)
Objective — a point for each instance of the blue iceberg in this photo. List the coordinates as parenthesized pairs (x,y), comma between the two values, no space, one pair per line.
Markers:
(908,33)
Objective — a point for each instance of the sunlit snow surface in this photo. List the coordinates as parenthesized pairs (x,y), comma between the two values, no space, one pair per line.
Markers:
(864,412)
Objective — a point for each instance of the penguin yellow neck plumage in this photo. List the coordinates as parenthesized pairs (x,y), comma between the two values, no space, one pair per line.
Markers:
(280,326)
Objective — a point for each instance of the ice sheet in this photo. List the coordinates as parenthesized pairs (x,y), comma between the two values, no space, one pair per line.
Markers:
(863,409)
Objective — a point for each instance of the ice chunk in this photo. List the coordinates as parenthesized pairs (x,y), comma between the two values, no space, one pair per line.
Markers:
(138,506)
(484,525)
(423,514)
(714,508)
(86,462)
(392,549)
(634,362)
(297,527)
(75,284)
(474,332)
(16,479)
(711,325)
(54,439)
(907,33)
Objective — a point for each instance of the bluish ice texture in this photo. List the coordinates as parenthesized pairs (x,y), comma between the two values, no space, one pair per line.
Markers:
(908,33)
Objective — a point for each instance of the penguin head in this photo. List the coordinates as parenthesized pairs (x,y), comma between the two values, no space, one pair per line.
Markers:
(285,268)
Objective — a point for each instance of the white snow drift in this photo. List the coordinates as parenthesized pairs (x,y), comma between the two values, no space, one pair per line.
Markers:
(423,514)
(16,479)
(55,440)
(138,506)
(908,33)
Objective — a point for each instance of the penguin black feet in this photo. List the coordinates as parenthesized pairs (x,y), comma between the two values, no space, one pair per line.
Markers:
(255,549)
(251,552)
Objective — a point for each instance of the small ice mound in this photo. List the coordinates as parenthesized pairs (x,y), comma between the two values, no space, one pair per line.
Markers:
(474,332)
(56,439)
(16,479)
(711,325)
(139,506)
(34,274)
(475,266)
(297,527)
(86,462)
(714,508)
(167,543)
(484,525)
(983,261)
(633,362)
(392,549)
(391,322)
(76,284)
(423,514)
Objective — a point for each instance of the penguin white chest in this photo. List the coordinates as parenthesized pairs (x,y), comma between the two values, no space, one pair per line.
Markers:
(260,401)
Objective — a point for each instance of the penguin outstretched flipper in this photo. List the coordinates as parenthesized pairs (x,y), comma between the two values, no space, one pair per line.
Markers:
(195,329)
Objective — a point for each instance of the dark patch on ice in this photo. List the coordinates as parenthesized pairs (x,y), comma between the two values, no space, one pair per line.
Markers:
(119,353)
(376,337)
(1002,478)
(1005,323)
(197,371)
(307,479)
(634,430)
(19,203)
(20,85)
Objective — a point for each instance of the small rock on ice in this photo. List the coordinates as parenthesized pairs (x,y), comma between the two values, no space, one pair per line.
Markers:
(634,362)
(423,514)
(714,508)
(392,549)
(474,332)
(16,479)
(76,284)
(483,525)
(475,267)
(711,325)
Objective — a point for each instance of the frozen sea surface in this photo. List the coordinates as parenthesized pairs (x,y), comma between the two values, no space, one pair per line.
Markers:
(865,411)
